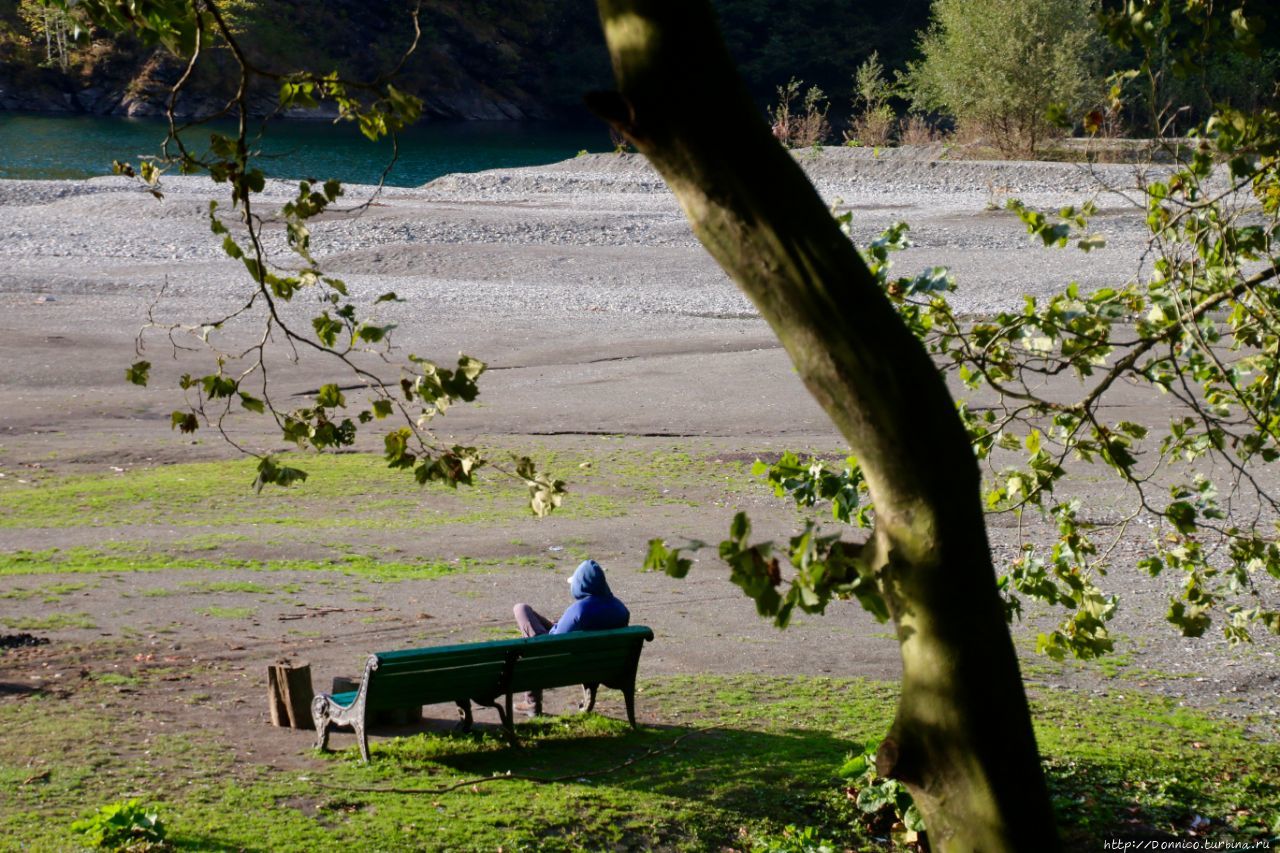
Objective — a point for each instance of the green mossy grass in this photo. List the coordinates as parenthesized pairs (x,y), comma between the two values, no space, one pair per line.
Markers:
(340,520)
(49,622)
(82,560)
(48,594)
(729,763)
(354,490)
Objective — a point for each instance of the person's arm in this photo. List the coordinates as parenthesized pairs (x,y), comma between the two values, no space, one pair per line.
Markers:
(569,621)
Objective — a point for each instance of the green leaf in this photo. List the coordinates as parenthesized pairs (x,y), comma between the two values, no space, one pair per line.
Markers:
(216,386)
(470,367)
(373,334)
(330,397)
(1089,242)
(855,766)
(397,448)
(271,473)
(223,146)
(1182,515)
(668,560)
(327,329)
(184,421)
(138,372)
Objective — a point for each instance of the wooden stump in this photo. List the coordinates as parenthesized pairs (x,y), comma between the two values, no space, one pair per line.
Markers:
(289,695)
(382,716)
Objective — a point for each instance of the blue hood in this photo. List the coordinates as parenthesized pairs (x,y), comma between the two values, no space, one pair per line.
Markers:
(588,579)
(595,609)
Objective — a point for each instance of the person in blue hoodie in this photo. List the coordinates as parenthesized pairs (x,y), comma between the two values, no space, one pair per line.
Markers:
(595,608)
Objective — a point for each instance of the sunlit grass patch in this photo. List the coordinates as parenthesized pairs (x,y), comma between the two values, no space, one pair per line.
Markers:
(49,593)
(49,622)
(346,490)
(226,612)
(357,490)
(85,560)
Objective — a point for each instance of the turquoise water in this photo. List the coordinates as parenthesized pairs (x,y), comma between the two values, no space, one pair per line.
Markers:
(41,146)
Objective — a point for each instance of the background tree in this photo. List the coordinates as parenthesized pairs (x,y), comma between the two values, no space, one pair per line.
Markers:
(50,26)
(997,65)
(1174,70)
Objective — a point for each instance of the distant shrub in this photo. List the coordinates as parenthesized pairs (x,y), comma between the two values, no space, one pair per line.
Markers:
(917,130)
(873,119)
(873,128)
(620,143)
(803,128)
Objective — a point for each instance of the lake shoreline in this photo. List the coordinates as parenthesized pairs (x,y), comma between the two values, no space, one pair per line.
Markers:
(38,147)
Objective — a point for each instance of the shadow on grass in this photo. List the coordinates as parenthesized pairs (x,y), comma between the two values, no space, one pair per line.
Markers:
(728,776)
(8,688)
(787,775)
(1099,801)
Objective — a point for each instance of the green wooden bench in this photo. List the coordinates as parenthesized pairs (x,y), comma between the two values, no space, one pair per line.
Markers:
(487,674)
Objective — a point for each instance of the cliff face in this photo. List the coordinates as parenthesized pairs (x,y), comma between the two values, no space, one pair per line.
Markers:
(478,59)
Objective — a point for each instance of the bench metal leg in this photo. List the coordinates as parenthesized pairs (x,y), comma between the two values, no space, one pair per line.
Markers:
(629,694)
(588,703)
(320,716)
(504,717)
(362,738)
(464,714)
(503,706)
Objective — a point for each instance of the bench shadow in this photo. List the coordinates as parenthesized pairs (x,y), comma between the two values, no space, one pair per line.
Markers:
(773,773)
(9,688)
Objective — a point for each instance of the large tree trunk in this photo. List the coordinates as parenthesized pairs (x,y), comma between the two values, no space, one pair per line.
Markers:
(962,740)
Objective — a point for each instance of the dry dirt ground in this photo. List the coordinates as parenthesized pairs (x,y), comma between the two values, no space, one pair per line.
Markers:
(610,336)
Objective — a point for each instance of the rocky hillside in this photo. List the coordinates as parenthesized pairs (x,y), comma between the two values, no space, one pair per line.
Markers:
(478,59)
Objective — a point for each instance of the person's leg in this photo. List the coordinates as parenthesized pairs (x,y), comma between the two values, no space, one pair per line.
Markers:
(532,623)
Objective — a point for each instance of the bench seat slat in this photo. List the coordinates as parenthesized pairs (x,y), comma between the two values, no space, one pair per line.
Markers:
(444,664)
(426,667)
(578,657)
(402,692)
(542,677)
(610,645)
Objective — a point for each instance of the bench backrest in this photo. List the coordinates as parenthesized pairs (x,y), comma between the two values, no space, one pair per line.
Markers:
(487,670)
